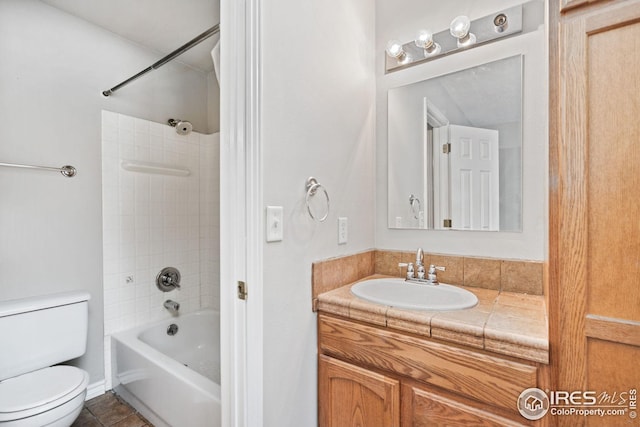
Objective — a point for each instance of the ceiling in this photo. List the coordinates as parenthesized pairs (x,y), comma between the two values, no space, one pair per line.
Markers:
(159,25)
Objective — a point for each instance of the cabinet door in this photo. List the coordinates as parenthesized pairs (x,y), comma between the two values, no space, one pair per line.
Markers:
(421,408)
(594,244)
(353,396)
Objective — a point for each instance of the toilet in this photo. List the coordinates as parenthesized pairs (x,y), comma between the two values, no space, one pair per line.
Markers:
(37,333)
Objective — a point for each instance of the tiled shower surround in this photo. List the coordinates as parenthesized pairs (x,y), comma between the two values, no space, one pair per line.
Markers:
(152,221)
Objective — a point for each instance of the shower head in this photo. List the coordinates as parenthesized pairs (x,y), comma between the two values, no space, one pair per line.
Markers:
(183,127)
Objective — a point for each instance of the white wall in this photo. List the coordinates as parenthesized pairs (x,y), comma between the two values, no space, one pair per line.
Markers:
(318,120)
(401,20)
(406,125)
(54,67)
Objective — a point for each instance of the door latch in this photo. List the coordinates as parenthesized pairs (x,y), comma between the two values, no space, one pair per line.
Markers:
(242,290)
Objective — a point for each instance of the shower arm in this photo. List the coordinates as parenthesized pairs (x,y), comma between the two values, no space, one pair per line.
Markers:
(179,51)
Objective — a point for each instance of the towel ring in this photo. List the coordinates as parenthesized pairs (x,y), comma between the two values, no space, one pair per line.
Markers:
(312,185)
(413,201)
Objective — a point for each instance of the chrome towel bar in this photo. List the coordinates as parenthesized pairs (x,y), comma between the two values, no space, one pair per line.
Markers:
(67,170)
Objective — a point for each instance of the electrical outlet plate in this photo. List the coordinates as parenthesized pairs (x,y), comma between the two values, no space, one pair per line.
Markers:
(275,226)
(343,230)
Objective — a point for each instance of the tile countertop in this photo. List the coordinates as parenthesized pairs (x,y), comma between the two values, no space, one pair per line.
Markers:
(507,323)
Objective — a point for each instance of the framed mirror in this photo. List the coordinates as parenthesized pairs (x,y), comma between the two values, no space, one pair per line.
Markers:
(455,150)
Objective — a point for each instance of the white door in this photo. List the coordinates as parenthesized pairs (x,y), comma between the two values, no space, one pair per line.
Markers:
(474,178)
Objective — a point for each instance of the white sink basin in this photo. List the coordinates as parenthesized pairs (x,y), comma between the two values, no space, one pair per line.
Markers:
(414,296)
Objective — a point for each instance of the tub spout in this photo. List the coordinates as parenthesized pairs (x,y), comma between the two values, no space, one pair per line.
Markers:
(172,306)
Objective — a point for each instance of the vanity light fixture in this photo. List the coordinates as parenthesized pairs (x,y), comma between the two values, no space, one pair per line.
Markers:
(424,40)
(460,28)
(459,37)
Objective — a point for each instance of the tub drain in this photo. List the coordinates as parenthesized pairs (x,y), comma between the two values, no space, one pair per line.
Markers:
(172,329)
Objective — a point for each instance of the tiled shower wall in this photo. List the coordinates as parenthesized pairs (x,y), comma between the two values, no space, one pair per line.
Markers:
(152,221)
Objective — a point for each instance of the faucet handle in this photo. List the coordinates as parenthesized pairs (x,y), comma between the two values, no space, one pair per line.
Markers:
(431,276)
(171,281)
(410,270)
(168,279)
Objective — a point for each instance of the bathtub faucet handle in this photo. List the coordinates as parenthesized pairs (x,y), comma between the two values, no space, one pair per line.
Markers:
(168,279)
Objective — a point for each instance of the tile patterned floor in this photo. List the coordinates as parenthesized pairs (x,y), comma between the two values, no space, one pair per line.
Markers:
(109,410)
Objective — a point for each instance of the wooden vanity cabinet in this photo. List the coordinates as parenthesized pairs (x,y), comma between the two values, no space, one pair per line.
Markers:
(594,232)
(422,408)
(372,376)
(354,396)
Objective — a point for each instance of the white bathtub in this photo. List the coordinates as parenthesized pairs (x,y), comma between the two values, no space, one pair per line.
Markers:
(171,380)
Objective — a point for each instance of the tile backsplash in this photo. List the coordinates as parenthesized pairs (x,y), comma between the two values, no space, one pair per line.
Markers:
(335,272)
(489,273)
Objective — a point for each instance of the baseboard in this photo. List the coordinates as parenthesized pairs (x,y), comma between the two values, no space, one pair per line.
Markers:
(95,390)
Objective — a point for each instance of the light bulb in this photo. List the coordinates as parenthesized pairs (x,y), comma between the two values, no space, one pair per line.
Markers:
(424,39)
(460,26)
(394,49)
(459,29)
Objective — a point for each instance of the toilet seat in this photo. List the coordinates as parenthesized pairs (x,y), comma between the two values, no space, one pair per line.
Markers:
(40,391)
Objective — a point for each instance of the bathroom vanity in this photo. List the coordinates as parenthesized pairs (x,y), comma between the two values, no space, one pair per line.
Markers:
(383,366)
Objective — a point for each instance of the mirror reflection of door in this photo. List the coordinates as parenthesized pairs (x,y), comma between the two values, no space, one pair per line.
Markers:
(474,178)
(423,187)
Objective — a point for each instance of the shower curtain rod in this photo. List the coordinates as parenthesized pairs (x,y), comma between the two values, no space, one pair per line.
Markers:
(211,31)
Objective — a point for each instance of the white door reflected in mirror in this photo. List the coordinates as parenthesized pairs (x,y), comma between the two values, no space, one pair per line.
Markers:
(473,178)
(455,150)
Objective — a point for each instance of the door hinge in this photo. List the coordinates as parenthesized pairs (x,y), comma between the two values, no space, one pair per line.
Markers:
(446,223)
(242,290)
(446,148)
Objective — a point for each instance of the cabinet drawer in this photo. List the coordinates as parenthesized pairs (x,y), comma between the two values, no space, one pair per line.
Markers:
(421,408)
(479,376)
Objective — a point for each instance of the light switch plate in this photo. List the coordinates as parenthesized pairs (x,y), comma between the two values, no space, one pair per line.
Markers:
(343,230)
(275,226)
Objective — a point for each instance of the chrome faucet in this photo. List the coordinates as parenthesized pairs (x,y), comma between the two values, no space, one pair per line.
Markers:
(419,257)
(172,306)
(420,264)
(416,273)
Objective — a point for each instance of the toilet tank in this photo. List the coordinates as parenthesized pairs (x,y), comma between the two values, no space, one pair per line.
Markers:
(38,332)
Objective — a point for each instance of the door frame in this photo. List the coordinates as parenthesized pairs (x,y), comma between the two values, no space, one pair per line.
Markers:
(241,228)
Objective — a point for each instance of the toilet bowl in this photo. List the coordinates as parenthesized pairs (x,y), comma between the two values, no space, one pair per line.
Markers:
(48,397)
(37,333)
